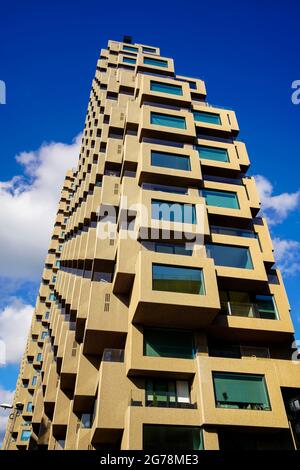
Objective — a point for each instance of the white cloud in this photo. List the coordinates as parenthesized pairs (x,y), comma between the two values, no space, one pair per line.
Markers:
(28,205)
(287,254)
(15,321)
(6,396)
(276,208)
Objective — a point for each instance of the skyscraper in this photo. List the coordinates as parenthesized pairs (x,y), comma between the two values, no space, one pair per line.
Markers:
(161,321)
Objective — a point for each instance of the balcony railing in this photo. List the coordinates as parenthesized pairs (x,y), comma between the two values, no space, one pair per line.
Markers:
(248,310)
(161,400)
(243,405)
(113,355)
(255,352)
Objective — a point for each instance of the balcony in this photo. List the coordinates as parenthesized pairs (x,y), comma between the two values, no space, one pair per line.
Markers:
(171,300)
(163,65)
(164,90)
(164,123)
(222,158)
(159,400)
(247,392)
(106,323)
(247,310)
(165,171)
(112,399)
(215,121)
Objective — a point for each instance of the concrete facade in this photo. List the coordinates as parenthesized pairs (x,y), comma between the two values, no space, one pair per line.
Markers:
(85,374)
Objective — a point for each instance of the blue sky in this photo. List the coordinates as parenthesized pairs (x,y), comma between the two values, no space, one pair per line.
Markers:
(247,53)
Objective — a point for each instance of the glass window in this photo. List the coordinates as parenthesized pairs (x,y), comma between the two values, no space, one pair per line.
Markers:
(172,249)
(86,420)
(166,88)
(34,380)
(165,342)
(168,121)
(242,391)
(210,118)
(151,50)
(244,304)
(164,188)
(39,357)
(229,255)
(235,232)
(60,443)
(266,307)
(170,160)
(173,212)
(177,279)
(130,49)
(25,435)
(192,85)
(52,297)
(226,199)
(212,153)
(170,393)
(129,60)
(159,437)
(44,334)
(29,407)
(155,62)
(57,264)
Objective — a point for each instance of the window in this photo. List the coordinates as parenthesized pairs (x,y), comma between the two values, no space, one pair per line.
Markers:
(150,50)
(245,304)
(165,342)
(192,85)
(34,380)
(226,199)
(231,256)
(25,435)
(168,393)
(212,153)
(39,357)
(266,307)
(52,297)
(173,212)
(168,121)
(129,60)
(210,118)
(57,264)
(44,334)
(159,437)
(241,391)
(169,143)
(177,279)
(86,420)
(60,444)
(172,249)
(47,315)
(130,49)
(249,441)
(235,232)
(220,349)
(166,88)
(164,188)
(155,62)
(170,160)
(29,407)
